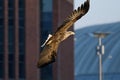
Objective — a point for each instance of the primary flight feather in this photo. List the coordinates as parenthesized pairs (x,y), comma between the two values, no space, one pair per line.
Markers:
(49,52)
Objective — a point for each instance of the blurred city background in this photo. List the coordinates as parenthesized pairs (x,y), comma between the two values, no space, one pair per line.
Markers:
(25,25)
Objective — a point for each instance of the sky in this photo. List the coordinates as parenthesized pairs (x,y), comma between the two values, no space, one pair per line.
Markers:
(100,12)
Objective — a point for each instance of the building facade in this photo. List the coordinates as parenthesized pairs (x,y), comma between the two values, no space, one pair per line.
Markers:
(24,26)
(86,58)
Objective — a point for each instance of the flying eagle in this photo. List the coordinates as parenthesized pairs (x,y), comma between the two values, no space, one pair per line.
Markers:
(49,52)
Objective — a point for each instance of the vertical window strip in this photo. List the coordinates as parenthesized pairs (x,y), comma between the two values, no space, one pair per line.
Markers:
(5,23)
(22,39)
(1,40)
(46,28)
(11,39)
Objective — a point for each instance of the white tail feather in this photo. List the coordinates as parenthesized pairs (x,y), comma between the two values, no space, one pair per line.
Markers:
(49,36)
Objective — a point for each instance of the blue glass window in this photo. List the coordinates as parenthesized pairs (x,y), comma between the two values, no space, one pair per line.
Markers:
(11,39)
(46,28)
(1,21)
(21,4)
(22,66)
(21,39)
(1,65)
(11,13)
(1,40)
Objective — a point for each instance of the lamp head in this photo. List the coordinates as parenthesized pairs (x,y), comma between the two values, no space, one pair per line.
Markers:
(101,34)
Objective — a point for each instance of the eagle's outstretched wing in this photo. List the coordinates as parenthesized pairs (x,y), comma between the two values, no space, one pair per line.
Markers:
(48,54)
(76,14)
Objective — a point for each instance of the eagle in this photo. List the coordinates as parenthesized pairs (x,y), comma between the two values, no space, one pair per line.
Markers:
(49,52)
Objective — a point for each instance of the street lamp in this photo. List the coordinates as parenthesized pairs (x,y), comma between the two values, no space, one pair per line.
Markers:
(100,49)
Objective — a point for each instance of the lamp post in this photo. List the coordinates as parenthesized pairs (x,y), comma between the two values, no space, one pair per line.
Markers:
(100,49)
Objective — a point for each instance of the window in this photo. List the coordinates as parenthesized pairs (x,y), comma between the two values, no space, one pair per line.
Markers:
(11,22)
(1,40)
(21,66)
(11,66)
(46,28)
(21,3)
(21,22)
(1,66)
(21,13)
(1,20)
(21,39)
(11,13)
(11,35)
(1,34)
(11,4)
(1,3)
(11,39)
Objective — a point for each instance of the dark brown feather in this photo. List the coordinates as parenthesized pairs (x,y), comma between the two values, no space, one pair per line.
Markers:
(48,54)
(76,14)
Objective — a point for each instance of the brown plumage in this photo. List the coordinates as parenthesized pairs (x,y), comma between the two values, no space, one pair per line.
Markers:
(49,52)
